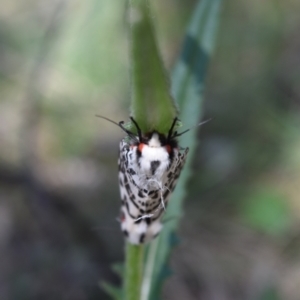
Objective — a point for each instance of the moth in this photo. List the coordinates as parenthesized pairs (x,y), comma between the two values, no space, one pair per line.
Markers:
(149,166)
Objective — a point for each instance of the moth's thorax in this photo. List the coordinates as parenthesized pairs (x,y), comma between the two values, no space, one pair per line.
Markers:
(154,158)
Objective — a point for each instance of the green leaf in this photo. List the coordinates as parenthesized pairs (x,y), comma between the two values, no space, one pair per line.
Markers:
(114,292)
(266,210)
(187,88)
(152,105)
(270,293)
(118,269)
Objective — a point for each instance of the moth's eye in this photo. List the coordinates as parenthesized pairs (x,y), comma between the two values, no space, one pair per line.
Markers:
(141,146)
(168,148)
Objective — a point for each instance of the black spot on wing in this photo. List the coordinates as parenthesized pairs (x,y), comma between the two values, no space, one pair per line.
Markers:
(154,165)
(158,216)
(127,187)
(138,221)
(155,195)
(131,196)
(127,208)
(153,208)
(177,175)
(166,193)
(142,238)
(131,171)
(125,201)
(140,194)
(170,175)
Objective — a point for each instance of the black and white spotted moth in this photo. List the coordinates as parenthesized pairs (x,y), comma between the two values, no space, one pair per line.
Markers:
(149,167)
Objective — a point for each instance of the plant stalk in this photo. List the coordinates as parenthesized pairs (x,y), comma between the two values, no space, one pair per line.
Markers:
(133,271)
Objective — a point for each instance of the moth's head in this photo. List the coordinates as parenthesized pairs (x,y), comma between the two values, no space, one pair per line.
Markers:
(154,139)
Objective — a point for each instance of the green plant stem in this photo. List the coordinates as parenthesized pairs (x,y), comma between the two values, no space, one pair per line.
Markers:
(133,271)
(147,278)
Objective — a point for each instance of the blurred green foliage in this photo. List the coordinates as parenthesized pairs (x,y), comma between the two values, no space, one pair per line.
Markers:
(266,210)
(188,80)
(248,158)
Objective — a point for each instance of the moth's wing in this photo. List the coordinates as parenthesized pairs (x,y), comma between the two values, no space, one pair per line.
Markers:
(136,203)
(174,173)
(128,190)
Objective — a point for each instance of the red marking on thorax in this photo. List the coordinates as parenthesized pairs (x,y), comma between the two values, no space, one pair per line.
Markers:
(141,146)
(168,148)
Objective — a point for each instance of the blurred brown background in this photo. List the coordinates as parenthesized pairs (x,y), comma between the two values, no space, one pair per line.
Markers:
(62,62)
